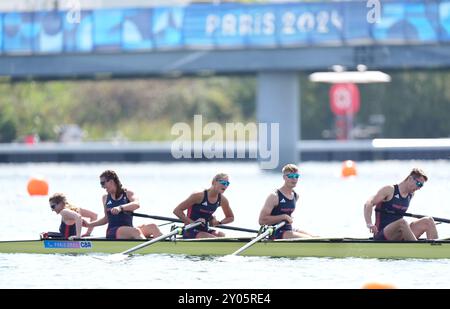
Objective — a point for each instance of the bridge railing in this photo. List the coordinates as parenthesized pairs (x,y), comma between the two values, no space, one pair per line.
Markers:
(224,26)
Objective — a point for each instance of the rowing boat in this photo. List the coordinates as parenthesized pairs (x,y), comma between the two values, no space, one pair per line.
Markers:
(316,247)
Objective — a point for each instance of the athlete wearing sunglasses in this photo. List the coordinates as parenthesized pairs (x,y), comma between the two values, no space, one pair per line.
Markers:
(118,204)
(391,202)
(201,206)
(72,218)
(280,205)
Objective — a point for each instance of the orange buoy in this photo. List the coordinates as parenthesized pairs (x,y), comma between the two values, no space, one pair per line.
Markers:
(37,186)
(378,286)
(348,168)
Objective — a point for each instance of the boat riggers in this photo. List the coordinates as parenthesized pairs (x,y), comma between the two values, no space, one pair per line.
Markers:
(269,231)
(412,215)
(51,235)
(226,227)
(264,228)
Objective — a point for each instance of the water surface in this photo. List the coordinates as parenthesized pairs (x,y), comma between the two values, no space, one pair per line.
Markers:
(329,206)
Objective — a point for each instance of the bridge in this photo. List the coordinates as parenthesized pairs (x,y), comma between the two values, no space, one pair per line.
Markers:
(273,41)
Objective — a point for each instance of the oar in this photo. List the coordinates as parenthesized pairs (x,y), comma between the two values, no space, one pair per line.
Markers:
(226,227)
(159,225)
(269,231)
(412,215)
(178,230)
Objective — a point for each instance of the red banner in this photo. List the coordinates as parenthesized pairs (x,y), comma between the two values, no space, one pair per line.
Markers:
(344,99)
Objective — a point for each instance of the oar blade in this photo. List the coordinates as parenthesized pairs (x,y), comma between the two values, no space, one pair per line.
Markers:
(118,257)
(230,258)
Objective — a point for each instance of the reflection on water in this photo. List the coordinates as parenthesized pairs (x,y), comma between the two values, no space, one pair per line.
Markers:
(329,206)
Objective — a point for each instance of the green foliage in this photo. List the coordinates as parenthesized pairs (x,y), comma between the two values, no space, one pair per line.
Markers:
(121,109)
(315,110)
(33,108)
(415,104)
(8,132)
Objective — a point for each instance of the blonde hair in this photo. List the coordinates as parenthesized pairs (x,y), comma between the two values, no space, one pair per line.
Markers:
(220,176)
(290,168)
(61,198)
(417,172)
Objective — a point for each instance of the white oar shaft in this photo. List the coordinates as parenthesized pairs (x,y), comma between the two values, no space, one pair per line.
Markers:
(251,242)
(269,231)
(148,243)
(178,230)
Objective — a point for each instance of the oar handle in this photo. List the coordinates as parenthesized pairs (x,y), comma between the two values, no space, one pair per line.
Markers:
(278,226)
(135,214)
(235,228)
(226,227)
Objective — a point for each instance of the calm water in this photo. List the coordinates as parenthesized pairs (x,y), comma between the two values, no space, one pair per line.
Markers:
(329,206)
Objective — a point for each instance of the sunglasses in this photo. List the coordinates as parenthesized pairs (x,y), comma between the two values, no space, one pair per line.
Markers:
(53,206)
(293,175)
(226,183)
(103,182)
(419,184)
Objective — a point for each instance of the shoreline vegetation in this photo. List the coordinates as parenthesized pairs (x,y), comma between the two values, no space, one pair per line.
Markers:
(414,104)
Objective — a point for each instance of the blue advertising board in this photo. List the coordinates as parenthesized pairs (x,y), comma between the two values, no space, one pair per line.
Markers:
(225,26)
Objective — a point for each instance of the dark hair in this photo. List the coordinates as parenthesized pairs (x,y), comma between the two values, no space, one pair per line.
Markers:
(111,175)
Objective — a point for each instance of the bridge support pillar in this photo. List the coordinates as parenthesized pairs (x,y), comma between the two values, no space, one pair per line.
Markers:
(278,102)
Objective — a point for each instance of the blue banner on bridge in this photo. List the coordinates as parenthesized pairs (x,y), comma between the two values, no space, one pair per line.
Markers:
(225,26)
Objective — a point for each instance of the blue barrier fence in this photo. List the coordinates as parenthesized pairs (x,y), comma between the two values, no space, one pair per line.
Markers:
(225,26)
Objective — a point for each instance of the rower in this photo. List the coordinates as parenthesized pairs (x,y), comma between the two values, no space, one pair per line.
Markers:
(118,204)
(201,206)
(391,202)
(280,205)
(71,217)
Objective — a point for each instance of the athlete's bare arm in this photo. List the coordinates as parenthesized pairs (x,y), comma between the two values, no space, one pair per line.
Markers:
(229,216)
(265,216)
(384,194)
(194,198)
(103,220)
(70,216)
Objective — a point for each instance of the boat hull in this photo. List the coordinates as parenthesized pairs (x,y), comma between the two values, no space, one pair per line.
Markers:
(338,248)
